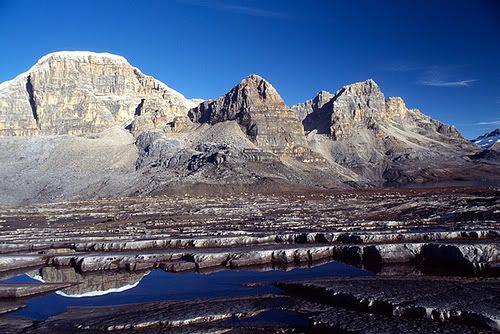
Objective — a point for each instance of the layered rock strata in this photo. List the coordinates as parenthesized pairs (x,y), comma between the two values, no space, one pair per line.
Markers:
(256,105)
(83,92)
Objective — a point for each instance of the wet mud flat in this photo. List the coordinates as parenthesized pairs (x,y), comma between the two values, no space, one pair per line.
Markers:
(389,261)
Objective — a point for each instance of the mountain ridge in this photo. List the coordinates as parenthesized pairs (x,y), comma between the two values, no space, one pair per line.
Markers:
(488,139)
(247,138)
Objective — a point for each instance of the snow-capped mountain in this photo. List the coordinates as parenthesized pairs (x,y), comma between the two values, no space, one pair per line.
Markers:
(488,139)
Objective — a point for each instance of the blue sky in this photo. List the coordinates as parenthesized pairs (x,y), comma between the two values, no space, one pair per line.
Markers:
(440,56)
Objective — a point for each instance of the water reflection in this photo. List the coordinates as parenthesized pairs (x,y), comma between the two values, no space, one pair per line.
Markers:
(91,284)
(114,288)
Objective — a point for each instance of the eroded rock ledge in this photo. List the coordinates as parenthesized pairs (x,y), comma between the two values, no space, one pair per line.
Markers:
(455,232)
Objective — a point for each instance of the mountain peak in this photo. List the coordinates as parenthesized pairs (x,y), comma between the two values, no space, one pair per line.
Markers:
(82,56)
(366,87)
(254,91)
(75,56)
(488,139)
(254,77)
(81,92)
(256,105)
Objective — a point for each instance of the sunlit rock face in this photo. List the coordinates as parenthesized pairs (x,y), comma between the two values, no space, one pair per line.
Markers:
(88,125)
(395,108)
(362,105)
(256,105)
(83,92)
(381,139)
(355,105)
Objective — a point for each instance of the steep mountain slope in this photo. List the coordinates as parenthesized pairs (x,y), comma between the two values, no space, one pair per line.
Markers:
(247,136)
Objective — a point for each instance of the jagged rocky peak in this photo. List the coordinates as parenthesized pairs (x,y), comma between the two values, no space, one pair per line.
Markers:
(251,94)
(322,98)
(362,105)
(256,91)
(75,92)
(363,88)
(256,105)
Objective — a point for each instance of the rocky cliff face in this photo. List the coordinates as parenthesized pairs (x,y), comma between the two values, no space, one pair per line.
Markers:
(362,105)
(258,108)
(83,92)
(381,139)
(356,105)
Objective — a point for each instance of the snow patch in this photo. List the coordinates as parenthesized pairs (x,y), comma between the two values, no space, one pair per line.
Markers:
(488,140)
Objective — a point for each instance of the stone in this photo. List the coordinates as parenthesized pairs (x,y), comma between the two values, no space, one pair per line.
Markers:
(395,108)
(464,259)
(11,325)
(11,262)
(356,105)
(164,316)
(385,142)
(82,125)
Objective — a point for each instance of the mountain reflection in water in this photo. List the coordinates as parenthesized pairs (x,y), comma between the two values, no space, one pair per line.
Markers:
(90,285)
(115,288)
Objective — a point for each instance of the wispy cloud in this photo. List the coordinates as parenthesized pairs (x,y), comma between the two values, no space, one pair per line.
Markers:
(433,75)
(237,8)
(442,83)
(488,123)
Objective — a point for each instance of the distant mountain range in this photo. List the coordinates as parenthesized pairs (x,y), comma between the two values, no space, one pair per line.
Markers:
(488,139)
(86,125)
